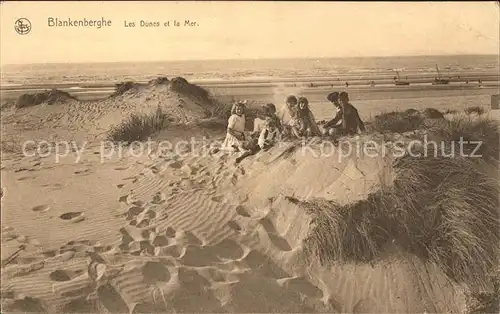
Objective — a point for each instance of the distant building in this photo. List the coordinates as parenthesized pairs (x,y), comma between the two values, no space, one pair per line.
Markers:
(495,101)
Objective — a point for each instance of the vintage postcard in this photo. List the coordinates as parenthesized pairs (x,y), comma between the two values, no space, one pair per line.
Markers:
(250,157)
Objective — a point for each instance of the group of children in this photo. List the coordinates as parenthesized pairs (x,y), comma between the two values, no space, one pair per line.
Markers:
(269,128)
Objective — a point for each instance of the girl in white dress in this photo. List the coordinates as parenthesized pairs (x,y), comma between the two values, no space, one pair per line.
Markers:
(235,137)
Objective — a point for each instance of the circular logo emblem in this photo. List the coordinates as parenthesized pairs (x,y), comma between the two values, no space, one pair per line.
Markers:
(22,26)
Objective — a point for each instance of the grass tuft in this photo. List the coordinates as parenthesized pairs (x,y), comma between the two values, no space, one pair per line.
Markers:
(398,122)
(475,109)
(138,127)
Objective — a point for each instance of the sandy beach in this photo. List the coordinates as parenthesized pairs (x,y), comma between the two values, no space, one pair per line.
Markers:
(187,230)
(249,157)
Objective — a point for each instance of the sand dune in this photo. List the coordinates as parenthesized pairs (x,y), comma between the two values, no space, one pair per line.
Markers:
(214,237)
(171,233)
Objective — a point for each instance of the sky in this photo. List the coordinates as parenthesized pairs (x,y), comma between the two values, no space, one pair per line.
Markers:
(233,30)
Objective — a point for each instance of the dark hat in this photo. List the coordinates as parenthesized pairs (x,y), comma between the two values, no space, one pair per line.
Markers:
(344,95)
(291,98)
(271,107)
(333,96)
(303,100)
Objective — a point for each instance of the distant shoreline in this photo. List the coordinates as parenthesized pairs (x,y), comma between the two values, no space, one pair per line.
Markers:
(264,90)
(259,59)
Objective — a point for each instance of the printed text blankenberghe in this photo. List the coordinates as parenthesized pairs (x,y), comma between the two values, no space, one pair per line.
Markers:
(57,22)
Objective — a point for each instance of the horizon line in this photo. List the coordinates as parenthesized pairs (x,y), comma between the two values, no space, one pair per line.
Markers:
(272,58)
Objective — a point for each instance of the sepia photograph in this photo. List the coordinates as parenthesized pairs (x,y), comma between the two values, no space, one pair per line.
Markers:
(250,157)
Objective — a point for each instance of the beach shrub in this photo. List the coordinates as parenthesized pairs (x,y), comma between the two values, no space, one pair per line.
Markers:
(138,127)
(476,109)
(123,87)
(444,210)
(398,122)
(50,97)
(480,136)
(411,111)
(431,113)
(159,80)
(182,86)
(450,111)
(220,110)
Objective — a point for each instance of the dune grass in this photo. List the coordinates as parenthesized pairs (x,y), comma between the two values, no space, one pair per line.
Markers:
(481,134)
(396,121)
(475,109)
(123,87)
(432,113)
(444,210)
(441,209)
(138,127)
(49,97)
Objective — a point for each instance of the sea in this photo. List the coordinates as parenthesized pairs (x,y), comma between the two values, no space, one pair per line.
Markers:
(248,70)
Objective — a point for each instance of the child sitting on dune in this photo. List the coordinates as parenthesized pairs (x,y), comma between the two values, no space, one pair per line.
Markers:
(304,123)
(235,137)
(268,136)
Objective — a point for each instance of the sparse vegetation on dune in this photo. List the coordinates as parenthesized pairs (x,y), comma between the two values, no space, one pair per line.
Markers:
(398,122)
(50,97)
(484,130)
(475,109)
(182,86)
(138,127)
(444,210)
(122,88)
(431,113)
(159,80)
(450,111)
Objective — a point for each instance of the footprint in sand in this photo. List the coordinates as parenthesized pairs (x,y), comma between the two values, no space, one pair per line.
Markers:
(218,198)
(120,185)
(26,305)
(139,203)
(303,286)
(133,212)
(189,238)
(264,265)
(82,171)
(170,232)
(364,306)
(121,168)
(111,300)
(234,179)
(60,275)
(176,165)
(126,199)
(172,251)
(160,241)
(50,253)
(277,240)
(153,272)
(73,216)
(241,210)
(26,178)
(143,223)
(159,198)
(41,208)
(234,225)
